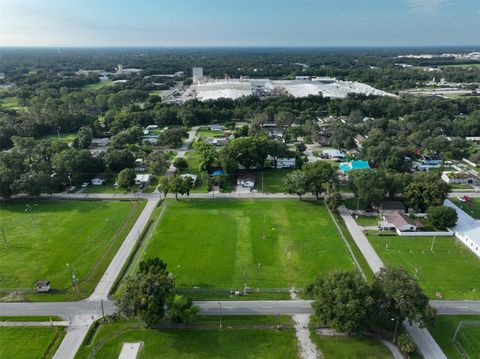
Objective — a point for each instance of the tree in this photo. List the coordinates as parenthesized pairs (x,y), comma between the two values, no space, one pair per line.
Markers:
(117,160)
(368,185)
(318,175)
(284,119)
(342,300)
(442,217)
(177,186)
(295,183)
(84,138)
(180,309)
(147,291)
(180,163)
(76,166)
(157,163)
(126,178)
(173,137)
(187,185)
(405,343)
(164,185)
(208,154)
(397,295)
(421,195)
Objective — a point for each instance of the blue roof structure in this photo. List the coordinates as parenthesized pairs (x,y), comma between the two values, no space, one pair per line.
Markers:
(354,165)
(218,173)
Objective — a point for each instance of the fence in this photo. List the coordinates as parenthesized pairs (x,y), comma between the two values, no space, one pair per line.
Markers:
(422,234)
(460,337)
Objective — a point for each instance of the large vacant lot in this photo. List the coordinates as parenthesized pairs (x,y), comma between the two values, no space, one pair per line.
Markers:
(41,242)
(467,339)
(449,272)
(29,342)
(213,243)
(203,343)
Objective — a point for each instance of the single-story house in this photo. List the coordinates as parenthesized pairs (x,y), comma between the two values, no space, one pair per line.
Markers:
(246,181)
(193,177)
(286,162)
(140,165)
(98,181)
(333,154)
(399,221)
(391,206)
(457,177)
(353,165)
(142,179)
(151,127)
(42,286)
(219,141)
(216,127)
(100,142)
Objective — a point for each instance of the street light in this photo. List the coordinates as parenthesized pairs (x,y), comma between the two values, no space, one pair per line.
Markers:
(396,327)
(258,275)
(220,307)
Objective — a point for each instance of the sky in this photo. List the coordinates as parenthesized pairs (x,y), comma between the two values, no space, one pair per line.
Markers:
(232,23)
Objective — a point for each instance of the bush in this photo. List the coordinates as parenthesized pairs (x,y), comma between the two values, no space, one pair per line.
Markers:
(405,343)
(442,217)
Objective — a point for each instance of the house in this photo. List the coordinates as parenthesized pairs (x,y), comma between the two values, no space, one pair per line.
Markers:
(458,177)
(400,222)
(359,140)
(193,177)
(286,162)
(140,165)
(345,167)
(219,141)
(391,206)
(42,286)
(216,128)
(142,179)
(100,142)
(151,139)
(151,127)
(246,181)
(426,163)
(98,181)
(333,154)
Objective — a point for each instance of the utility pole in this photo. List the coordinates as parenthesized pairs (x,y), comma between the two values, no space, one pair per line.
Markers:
(258,276)
(3,236)
(244,282)
(220,306)
(433,241)
(101,305)
(396,328)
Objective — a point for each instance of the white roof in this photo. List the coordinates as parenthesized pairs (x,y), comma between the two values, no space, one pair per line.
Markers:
(142,178)
(466,225)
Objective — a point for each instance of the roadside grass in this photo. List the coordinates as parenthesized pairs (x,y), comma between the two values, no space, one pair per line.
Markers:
(472,207)
(40,243)
(205,132)
(214,244)
(30,318)
(468,337)
(367,221)
(272,180)
(254,341)
(347,347)
(98,85)
(107,187)
(29,342)
(451,270)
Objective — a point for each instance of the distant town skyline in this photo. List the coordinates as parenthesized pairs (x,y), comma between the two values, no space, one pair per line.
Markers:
(212,23)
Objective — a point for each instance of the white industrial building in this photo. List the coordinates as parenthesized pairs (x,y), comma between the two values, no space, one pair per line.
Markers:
(467,229)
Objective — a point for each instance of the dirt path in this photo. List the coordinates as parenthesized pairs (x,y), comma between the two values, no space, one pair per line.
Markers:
(306,348)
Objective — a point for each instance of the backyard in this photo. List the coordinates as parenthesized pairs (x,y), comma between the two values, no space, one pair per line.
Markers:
(45,236)
(271,243)
(29,342)
(203,343)
(451,271)
(270,181)
(467,339)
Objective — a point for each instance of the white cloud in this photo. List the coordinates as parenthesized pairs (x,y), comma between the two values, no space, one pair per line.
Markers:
(429,6)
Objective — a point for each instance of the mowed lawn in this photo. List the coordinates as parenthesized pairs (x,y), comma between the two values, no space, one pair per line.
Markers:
(471,207)
(40,243)
(468,337)
(214,243)
(29,342)
(270,181)
(194,344)
(451,270)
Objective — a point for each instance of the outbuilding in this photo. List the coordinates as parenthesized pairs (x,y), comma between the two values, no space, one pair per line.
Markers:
(142,179)
(98,181)
(42,286)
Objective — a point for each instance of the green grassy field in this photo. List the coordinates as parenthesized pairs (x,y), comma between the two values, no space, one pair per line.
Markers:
(272,180)
(210,243)
(107,187)
(350,347)
(29,342)
(10,103)
(195,344)
(64,137)
(98,85)
(205,132)
(472,207)
(450,270)
(40,243)
(468,337)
